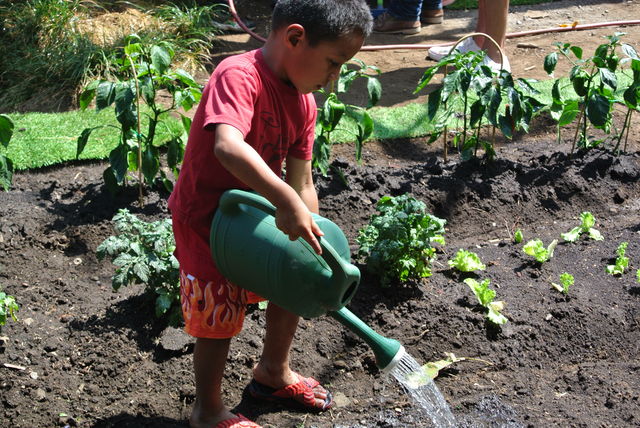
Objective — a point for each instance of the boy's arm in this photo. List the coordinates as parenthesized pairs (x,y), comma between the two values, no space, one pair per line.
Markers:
(299,177)
(240,159)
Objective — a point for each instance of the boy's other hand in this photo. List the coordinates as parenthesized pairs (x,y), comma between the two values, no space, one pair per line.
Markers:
(296,222)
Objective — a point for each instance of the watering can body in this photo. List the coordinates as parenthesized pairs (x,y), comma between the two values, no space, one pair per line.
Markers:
(251,252)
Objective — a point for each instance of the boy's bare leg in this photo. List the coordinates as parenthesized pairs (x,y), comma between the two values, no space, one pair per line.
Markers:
(209,359)
(492,20)
(273,368)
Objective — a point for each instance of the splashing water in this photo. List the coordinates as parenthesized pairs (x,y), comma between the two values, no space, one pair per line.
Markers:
(422,389)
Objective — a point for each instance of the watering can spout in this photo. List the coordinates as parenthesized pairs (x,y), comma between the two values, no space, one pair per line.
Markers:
(388,352)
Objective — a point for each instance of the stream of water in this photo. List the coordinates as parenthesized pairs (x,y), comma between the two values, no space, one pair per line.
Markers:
(423,391)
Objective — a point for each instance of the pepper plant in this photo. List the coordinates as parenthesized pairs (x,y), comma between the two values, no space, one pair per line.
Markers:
(398,243)
(487,98)
(143,254)
(6,165)
(595,82)
(145,71)
(333,109)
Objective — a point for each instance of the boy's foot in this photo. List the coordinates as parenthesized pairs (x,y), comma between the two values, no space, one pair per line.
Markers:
(388,24)
(436,53)
(432,16)
(306,393)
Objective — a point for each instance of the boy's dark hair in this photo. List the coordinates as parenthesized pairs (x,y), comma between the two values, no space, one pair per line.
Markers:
(324,20)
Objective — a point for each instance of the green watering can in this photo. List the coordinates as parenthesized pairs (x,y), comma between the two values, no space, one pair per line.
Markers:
(251,252)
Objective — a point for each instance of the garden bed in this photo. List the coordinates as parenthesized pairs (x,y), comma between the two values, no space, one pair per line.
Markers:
(83,355)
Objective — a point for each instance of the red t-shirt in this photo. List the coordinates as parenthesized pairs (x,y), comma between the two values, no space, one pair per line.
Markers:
(274,118)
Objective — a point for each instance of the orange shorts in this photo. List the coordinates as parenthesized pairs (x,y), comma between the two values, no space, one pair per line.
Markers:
(213,309)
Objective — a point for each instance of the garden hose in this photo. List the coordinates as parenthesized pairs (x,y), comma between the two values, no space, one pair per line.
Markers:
(234,13)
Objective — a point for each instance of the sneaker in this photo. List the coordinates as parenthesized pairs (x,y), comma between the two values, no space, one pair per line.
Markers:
(432,16)
(231,26)
(436,53)
(386,23)
(494,66)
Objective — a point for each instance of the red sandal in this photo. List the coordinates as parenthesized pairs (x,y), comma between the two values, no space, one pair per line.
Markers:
(238,422)
(297,395)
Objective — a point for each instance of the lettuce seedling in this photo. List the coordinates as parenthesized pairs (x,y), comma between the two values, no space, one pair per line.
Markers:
(485,297)
(586,226)
(518,236)
(536,249)
(8,308)
(622,261)
(638,275)
(466,261)
(566,281)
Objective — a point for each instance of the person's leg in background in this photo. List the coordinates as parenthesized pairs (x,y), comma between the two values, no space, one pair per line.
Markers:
(432,12)
(402,17)
(492,20)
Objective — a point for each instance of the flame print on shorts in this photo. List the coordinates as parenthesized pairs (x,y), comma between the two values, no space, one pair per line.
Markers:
(211,309)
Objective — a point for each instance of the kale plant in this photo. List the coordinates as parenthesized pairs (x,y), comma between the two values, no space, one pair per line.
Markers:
(586,226)
(143,254)
(397,244)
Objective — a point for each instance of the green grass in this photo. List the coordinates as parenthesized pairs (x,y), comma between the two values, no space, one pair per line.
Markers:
(43,139)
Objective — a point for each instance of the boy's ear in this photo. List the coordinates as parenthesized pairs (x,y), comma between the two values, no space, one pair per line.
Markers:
(294,34)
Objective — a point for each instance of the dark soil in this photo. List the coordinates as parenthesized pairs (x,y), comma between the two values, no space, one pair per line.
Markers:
(83,355)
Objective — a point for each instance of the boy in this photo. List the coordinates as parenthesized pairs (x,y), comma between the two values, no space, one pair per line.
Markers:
(256,112)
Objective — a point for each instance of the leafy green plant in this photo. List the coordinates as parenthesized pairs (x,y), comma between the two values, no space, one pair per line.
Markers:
(432,369)
(587,221)
(595,82)
(333,110)
(143,254)
(489,98)
(638,275)
(566,281)
(518,236)
(8,308)
(397,244)
(631,95)
(622,261)
(535,248)
(485,297)
(466,261)
(147,71)
(6,164)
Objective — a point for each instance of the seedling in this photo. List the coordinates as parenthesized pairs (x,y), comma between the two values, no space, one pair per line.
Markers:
(333,109)
(466,261)
(566,281)
(8,308)
(143,254)
(638,275)
(518,236)
(6,165)
(397,244)
(586,226)
(432,369)
(622,261)
(485,297)
(535,248)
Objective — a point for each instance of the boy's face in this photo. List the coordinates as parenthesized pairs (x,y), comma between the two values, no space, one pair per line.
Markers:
(310,68)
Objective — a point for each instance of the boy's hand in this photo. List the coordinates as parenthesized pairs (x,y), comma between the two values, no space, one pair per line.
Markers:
(296,222)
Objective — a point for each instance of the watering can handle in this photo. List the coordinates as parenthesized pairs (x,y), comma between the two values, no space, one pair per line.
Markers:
(231,199)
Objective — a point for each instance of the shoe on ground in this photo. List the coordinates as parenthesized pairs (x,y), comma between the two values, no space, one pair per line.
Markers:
(436,53)
(495,66)
(231,26)
(388,24)
(435,16)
